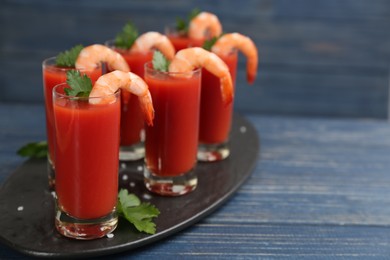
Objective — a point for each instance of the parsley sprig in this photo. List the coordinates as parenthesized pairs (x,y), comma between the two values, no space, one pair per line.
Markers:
(68,58)
(183,24)
(140,214)
(34,150)
(160,62)
(208,44)
(80,85)
(126,38)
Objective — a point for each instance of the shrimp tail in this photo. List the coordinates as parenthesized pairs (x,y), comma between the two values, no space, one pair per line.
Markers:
(227,89)
(250,77)
(251,69)
(147,108)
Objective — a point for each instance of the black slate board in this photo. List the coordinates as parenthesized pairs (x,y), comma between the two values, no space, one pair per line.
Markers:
(31,230)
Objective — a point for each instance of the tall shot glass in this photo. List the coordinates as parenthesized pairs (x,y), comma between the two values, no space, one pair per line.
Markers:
(215,117)
(86,156)
(53,75)
(171,143)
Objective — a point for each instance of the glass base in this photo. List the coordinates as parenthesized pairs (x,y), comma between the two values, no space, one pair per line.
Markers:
(132,153)
(85,229)
(170,185)
(213,152)
(51,174)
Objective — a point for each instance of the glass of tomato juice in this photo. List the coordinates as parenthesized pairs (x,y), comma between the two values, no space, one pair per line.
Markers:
(215,117)
(86,156)
(171,143)
(132,138)
(52,76)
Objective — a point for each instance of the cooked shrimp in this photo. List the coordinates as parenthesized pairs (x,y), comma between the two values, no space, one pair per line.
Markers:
(187,59)
(230,41)
(91,56)
(204,25)
(154,40)
(109,83)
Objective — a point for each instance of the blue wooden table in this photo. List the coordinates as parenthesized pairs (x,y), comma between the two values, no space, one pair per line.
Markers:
(321,189)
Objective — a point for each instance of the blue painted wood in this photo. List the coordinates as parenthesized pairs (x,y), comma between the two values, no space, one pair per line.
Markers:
(320,190)
(326,57)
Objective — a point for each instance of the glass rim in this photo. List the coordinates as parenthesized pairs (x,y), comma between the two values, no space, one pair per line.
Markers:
(111,43)
(171,30)
(58,94)
(148,66)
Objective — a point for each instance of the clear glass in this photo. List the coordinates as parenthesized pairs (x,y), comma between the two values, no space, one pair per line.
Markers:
(86,156)
(171,143)
(53,75)
(215,116)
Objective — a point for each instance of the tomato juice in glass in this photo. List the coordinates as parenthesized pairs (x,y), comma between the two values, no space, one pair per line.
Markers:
(171,143)
(86,156)
(52,76)
(215,117)
(132,120)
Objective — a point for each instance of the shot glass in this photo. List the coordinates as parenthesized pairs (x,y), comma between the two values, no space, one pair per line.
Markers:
(171,143)
(53,75)
(86,156)
(181,41)
(215,117)
(132,139)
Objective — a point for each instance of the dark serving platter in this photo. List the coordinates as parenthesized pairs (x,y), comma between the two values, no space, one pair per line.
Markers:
(27,206)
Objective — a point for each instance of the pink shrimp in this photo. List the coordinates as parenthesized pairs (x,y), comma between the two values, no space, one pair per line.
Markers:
(204,25)
(230,41)
(92,55)
(109,83)
(154,40)
(187,59)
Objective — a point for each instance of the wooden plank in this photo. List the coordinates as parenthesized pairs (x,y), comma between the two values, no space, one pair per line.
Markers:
(325,58)
(251,241)
(320,190)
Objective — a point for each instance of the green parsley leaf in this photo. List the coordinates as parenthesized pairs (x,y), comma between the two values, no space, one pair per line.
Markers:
(160,62)
(126,38)
(34,150)
(194,12)
(208,44)
(136,212)
(68,58)
(80,85)
(183,24)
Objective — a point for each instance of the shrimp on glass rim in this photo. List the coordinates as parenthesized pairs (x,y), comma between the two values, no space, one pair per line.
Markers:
(204,25)
(92,55)
(110,83)
(154,40)
(188,59)
(230,41)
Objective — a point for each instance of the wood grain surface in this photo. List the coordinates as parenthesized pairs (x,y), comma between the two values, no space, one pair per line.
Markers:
(317,58)
(320,190)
